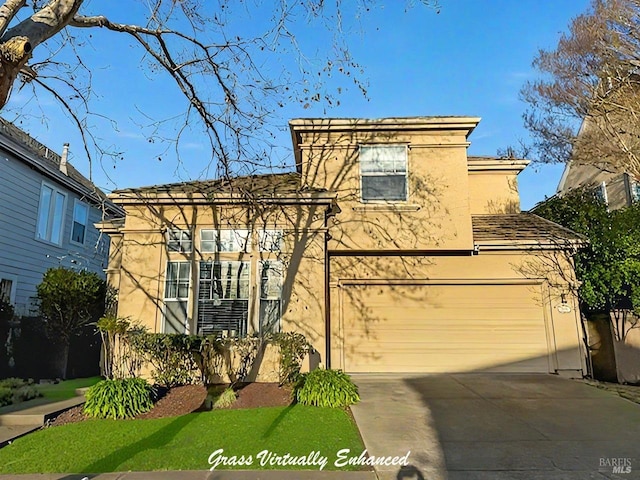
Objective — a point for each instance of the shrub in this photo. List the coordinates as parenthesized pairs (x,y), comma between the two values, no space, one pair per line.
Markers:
(69,300)
(326,388)
(118,398)
(171,356)
(6,396)
(293,348)
(12,382)
(226,398)
(120,358)
(25,393)
(6,311)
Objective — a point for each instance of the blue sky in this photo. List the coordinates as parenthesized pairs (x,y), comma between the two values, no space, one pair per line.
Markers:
(472,58)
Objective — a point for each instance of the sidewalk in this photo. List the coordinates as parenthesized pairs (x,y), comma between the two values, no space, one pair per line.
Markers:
(16,421)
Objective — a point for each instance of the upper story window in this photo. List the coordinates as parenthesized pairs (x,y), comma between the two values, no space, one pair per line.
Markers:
(215,241)
(51,214)
(270,240)
(179,240)
(383,170)
(80,220)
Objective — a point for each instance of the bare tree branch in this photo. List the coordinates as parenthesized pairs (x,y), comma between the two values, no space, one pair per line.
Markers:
(8,11)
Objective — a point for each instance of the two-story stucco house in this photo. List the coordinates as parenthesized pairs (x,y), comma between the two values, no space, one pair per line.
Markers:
(390,248)
(47,215)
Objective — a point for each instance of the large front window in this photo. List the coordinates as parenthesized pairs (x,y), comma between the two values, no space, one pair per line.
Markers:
(51,214)
(223,298)
(383,171)
(176,297)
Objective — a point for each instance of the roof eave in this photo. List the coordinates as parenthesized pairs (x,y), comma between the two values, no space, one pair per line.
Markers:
(128,198)
(543,244)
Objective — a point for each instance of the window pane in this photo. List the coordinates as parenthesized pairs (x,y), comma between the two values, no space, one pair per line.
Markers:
(184,271)
(383,158)
(183,290)
(271,279)
(175,317)
(270,240)
(58,217)
(45,208)
(208,246)
(179,240)
(77,234)
(5,289)
(387,187)
(212,241)
(80,213)
(177,280)
(270,313)
(171,290)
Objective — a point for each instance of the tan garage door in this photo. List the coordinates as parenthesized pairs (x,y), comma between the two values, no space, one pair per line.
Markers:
(443,328)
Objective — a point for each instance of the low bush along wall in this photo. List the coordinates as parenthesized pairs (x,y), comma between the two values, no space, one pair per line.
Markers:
(177,359)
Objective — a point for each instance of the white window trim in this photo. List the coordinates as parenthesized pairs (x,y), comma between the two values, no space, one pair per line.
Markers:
(406,173)
(86,222)
(55,190)
(14,286)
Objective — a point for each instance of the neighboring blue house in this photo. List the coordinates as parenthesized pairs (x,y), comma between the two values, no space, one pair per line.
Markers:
(47,215)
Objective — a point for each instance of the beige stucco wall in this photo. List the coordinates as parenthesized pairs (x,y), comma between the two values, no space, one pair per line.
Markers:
(493,192)
(436,214)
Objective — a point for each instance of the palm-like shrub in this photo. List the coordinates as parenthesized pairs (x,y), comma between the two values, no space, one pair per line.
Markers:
(118,398)
(326,388)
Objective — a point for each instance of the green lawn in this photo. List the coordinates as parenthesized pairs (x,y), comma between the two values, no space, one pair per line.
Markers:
(184,443)
(66,389)
(52,393)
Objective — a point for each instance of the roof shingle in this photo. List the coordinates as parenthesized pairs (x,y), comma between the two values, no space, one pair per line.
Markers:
(521,227)
(266,185)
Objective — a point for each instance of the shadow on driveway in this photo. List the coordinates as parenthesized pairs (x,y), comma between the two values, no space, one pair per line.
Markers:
(498,426)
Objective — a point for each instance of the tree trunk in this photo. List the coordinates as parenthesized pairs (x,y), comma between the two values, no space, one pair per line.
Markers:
(8,74)
(61,360)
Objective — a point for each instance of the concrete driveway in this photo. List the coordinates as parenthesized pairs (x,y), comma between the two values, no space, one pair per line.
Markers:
(498,427)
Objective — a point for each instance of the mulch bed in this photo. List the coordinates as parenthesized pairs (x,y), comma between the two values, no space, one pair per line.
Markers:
(191,398)
(254,395)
